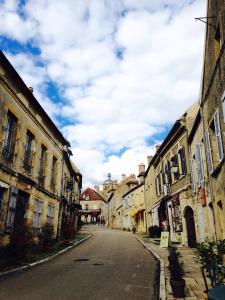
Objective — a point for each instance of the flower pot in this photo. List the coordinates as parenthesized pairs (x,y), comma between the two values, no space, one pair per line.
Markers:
(178,287)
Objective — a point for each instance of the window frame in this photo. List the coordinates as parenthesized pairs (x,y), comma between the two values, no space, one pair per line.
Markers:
(50,214)
(37,212)
(9,137)
(28,151)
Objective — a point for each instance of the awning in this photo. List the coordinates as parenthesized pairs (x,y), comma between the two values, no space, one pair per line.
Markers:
(4,185)
(135,211)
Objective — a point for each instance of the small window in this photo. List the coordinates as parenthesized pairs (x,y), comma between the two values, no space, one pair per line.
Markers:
(10,135)
(208,151)
(198,156)
(1,198)
(217,42)
(37,216)
(28,155)
(50,214)
(175,165)
(42,165)
(223,105)
(218,136)
(183,161)
(53,179)
(168,172)
(86,206)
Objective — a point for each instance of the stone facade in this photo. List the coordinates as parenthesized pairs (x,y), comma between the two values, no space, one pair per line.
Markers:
(212,104)
(32,158)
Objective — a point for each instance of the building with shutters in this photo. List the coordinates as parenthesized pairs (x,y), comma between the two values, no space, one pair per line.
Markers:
(212,106)
(34,157)
(170,204)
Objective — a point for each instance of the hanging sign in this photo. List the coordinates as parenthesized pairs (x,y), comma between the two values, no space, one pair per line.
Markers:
(164,241)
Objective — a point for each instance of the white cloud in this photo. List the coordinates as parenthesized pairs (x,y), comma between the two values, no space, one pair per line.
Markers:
(125,69)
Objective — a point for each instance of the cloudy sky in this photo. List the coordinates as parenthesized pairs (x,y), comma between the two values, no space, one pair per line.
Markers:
(113,74)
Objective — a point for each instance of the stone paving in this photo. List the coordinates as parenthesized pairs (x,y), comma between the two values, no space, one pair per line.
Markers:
(192,273)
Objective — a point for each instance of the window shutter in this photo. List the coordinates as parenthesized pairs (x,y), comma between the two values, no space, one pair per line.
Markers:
(192,175)
(218,136)
(208,151)
(11,209)
(199,164)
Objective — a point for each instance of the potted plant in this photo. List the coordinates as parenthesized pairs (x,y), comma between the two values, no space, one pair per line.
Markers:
(176,274)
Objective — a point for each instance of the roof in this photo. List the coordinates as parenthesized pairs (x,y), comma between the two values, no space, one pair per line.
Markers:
(90,195)
(29,95)
(133,189)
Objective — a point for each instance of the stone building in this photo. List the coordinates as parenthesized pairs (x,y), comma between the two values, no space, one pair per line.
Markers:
(212,105)
(169,173)
(33,152)
(115,200)
(94,208)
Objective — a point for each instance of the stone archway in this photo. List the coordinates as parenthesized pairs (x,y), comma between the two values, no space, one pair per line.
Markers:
(190,226)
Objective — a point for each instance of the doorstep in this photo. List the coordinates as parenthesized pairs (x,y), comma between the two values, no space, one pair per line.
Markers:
(192,273)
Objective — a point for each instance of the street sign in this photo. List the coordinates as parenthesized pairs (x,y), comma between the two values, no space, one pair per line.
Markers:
(164,242)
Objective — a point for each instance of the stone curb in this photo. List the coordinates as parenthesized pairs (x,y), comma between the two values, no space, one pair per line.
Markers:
(162,280)
(31,265)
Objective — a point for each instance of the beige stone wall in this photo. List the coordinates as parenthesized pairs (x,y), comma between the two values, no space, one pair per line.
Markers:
(14,174)
(211,101)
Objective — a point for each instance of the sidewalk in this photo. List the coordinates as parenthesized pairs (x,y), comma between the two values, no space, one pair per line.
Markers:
(192,273)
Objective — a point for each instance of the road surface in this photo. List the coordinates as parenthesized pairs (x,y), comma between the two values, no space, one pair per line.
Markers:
(111,265)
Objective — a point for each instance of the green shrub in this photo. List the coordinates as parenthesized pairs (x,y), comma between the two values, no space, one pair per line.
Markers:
(154,231)
(211,252)
(46,237)
(21,240)
(68,231)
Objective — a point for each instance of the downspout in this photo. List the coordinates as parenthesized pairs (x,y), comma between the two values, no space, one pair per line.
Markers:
(60,203)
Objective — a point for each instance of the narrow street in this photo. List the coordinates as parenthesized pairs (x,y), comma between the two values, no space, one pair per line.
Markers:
(110,265)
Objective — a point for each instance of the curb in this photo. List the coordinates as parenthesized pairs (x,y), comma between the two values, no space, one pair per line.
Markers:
(162,280)
(31,265)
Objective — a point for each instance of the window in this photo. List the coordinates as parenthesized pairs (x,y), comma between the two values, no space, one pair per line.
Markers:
(86,206)
(174,161)
(42,164)
(159,187)
(168,172)
(37,216)
(208,151)
(10,134)
(198,156)
(50,214)
(223,105)
(53,179)
(11,209)
(1,198)
(217,42)
(218,136)
(27,156)
(183,161)
(192,174)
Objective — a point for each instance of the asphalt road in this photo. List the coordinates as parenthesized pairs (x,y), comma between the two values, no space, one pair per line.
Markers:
(111,265)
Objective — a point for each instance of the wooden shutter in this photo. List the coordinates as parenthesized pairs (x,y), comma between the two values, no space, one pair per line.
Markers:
(11,209)
(199,164)
(218,136)
(208,151)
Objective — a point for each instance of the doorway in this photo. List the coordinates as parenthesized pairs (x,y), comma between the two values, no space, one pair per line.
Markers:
(21,207)
(190,226)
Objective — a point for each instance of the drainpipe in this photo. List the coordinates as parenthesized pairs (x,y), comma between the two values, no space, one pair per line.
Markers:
(60,203)
(145,214)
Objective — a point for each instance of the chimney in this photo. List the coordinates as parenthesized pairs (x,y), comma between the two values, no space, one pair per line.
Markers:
(31,89)
(157,147)
(123,176)
(149,158)
(141,168)
(96,188)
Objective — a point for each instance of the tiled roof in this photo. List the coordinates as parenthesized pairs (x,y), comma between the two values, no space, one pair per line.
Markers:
(90,195)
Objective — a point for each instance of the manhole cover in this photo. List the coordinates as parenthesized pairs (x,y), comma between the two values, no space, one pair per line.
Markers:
(98,264)
(81,259)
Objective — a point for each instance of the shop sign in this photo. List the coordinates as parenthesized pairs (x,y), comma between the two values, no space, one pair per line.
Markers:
(203,197)
(164,241)
(175,199)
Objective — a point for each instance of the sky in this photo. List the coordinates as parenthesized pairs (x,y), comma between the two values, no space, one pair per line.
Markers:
(113,75)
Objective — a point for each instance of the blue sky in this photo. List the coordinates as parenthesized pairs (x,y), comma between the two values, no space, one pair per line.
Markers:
(113,75)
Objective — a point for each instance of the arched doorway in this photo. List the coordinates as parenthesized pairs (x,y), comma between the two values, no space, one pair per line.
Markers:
(190,226)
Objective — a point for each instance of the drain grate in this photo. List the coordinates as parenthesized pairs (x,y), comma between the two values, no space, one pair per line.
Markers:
(81,259)
(98,264)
